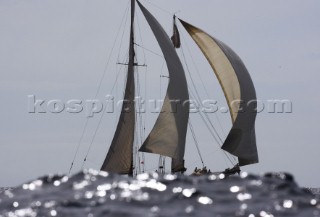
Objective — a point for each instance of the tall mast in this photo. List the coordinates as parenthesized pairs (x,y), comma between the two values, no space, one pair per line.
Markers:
(131,48)
(120,155)
(131,66)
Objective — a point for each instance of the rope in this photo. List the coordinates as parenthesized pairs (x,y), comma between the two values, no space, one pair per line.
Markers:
(149,50)
(142,121)
(154,5)
(97,127)
(196,91)
(125,18)
(195,141)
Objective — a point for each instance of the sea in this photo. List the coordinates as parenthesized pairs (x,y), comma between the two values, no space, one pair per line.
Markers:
(91,193)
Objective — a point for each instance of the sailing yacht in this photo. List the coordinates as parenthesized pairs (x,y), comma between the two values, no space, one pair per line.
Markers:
(168,135)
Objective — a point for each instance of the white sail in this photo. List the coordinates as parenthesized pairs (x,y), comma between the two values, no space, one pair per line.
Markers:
(120,155)
(169,132)
(237,87)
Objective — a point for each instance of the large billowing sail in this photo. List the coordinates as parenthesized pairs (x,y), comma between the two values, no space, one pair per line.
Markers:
(169,132)
(238,90)
(120,155)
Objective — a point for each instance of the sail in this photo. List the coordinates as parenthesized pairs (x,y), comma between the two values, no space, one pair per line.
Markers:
(120,155)
(175,38)
(177,166)
(238,90)
(169,132)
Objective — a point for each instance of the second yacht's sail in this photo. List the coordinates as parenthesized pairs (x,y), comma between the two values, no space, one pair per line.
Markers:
(169,132)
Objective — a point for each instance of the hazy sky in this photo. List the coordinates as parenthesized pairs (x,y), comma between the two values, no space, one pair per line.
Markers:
(59,50)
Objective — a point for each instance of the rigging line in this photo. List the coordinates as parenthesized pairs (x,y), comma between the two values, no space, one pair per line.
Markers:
(197,93)
(101,117)
(136,156)
(233,157)
(149,50)
(117,78)
(134,151)
(138,159)
(115,84)
(188,70)
(142,120)
(103,113)
(139,122)
(213,135)
(208,127)
(95,133)
(126,20)
(211,124)
(98,126)
(138,128)
(126,78)
(140,34)
(145,96)
(154,5)
(161,78)
(139,109)
(206,154)
(205,114)
(143,164)
(195,65)
(204,86)
(96,94)
(195,141)
(93,138)
(216,139)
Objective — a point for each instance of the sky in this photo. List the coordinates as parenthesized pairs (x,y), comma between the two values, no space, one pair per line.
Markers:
(69,50)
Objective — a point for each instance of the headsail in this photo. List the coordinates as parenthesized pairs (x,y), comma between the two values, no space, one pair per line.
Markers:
(120,155)
(169,132)
(238,90)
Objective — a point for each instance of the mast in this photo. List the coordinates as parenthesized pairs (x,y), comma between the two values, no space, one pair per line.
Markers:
(119,158)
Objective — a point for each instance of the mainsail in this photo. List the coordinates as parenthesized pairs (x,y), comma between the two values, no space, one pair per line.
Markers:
(169,132)
(238,90)
(120,155)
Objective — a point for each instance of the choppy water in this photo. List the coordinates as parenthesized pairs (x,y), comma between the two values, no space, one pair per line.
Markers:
(90,193)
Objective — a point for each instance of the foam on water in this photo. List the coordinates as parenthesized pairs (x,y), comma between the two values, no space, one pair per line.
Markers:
(92,193)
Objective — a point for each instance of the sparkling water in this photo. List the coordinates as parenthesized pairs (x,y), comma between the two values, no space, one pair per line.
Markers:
(91,193)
